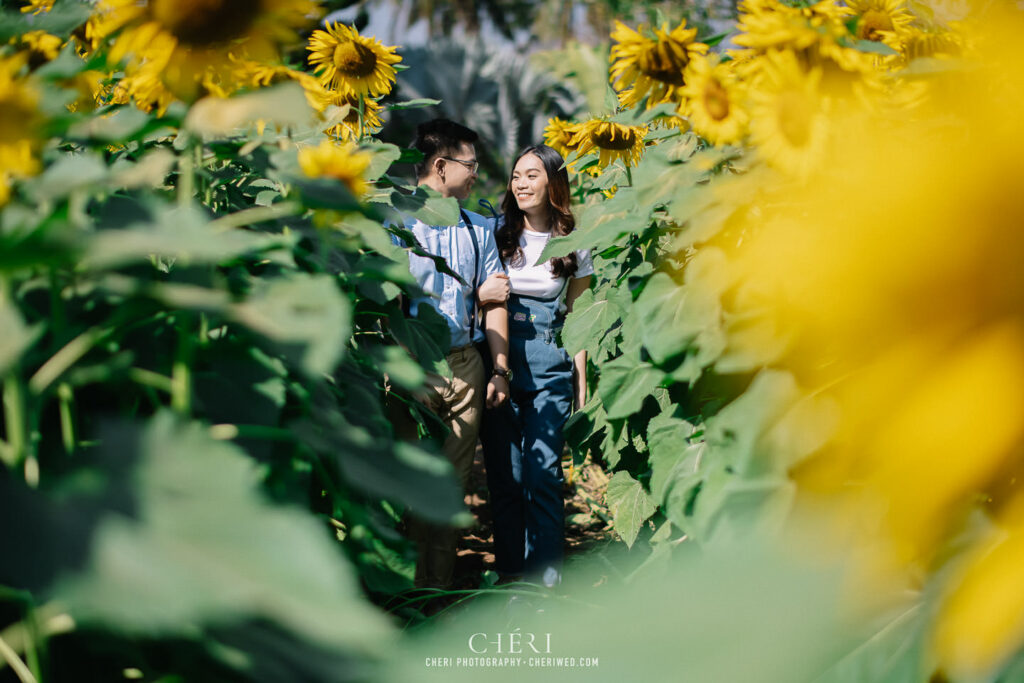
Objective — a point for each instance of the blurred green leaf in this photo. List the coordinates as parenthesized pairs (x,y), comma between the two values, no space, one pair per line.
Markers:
(17,336)
(205,547)
(306,315)
(282,105)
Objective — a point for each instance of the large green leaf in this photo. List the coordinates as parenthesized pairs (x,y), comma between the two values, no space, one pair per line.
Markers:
(624,384)
(307,317)
(594,313)
(426,205)
(602,224)
(630,506)
(180,234)
(667,442)
(204,546)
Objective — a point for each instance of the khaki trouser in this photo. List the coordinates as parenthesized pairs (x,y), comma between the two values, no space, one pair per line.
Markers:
(458,402)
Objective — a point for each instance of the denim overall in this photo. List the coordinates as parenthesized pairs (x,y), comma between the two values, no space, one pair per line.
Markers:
(522,442)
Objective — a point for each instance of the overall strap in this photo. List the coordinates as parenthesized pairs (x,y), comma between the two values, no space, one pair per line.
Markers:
(476,273)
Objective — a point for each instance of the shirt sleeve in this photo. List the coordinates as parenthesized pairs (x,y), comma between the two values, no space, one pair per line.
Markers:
(584,264)
(490,259)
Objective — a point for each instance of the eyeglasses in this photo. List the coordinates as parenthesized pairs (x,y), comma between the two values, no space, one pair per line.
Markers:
(471,165)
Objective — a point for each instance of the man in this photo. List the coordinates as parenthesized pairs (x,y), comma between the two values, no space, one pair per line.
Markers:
(449,166)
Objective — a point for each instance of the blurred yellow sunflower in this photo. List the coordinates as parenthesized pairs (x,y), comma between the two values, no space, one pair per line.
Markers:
(38,6)
(346,106)
(40,46)
(884,21)
(191,45)
(342,162)
(643,66)
(20,123)
(559,135)
(788,115)
(611,140)
(261,75)
(353,63)
(713,101)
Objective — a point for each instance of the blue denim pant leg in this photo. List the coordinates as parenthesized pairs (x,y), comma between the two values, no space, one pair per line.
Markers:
(543,414)
(500,436)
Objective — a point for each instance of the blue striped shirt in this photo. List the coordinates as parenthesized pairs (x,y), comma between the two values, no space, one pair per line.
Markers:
(453,300)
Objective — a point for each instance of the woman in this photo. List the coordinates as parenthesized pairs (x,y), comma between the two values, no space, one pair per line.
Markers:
(523,440)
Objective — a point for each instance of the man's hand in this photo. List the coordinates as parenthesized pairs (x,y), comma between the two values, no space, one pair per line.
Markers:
(497,391)
(494,290)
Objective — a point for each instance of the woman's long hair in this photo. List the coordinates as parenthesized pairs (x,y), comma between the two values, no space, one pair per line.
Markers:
(562,220)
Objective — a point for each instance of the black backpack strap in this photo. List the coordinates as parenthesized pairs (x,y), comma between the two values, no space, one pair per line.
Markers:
(476,272)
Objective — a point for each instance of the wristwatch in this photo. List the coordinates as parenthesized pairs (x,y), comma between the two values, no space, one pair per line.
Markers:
(502,372)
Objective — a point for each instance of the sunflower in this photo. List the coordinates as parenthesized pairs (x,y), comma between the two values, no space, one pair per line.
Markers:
(349,62)
(884,21)
(713,103)
(342,162)
(346,105)
(191,45)
(38,6)
(643,66)
(41,47)
(260,75)
(20,123)
(612,140)
(559,135)
(789,116)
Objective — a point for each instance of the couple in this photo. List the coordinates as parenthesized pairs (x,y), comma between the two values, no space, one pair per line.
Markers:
(514,366)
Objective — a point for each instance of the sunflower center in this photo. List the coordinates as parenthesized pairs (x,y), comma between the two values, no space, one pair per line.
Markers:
(794,117)
(610,138)
(664,64)
(15,121)
(354,60)
(716,100)
(205,22)
(871,23)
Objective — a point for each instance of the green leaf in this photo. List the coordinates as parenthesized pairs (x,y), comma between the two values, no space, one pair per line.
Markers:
(625,383)
(668,443)
(69,173)
(426,337)
(413,104)
(402,369)
(874,47)
(305,315)
(204,546)
(735,434)
(601,224)
(427,205)
(121,124)
(383,156)
(594,312)
(178,233)
(17,337)
(284,105)
(630,506)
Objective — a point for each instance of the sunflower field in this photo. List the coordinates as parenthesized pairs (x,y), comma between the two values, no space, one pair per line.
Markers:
(805,351)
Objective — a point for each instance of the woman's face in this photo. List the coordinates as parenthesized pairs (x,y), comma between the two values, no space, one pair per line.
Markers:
(529,184)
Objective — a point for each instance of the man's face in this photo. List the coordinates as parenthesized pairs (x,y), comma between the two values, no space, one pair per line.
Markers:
(460,171)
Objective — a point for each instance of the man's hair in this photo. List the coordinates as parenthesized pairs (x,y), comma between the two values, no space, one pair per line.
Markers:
(439,137)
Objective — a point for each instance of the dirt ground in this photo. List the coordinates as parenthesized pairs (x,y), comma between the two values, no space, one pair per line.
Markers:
(587,522)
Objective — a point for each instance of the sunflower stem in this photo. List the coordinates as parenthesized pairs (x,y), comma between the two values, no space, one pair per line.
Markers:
(186,177)
(181,372)
(629,175)
(362,113)
(66,399)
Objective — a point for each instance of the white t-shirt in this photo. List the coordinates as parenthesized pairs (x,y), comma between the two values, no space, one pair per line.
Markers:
(538,280)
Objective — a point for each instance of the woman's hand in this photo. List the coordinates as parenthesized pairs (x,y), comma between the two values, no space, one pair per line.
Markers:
(497,392)
(494,290)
